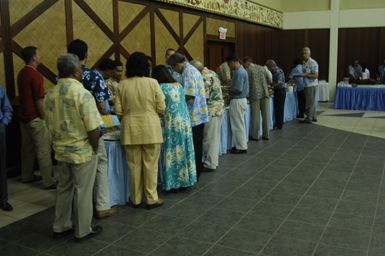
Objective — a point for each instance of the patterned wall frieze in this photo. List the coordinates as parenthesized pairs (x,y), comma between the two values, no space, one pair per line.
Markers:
(239,9)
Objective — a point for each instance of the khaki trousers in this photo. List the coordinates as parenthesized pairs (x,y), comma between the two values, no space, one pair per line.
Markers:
(102,193)
(257,107)
(237,122)
(74,195)
(142,162)
(310,101)
(211,139)
(35,143)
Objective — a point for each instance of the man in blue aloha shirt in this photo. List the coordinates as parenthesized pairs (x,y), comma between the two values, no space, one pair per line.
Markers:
(194,89)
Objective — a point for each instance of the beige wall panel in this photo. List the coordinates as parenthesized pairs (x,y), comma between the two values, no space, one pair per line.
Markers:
(173,18)
(19,8)
(357,4)
(195,45)
(127,12)
(104,10)
(139,39)
(212,26)
(305,5)
(48,34)
(87,30)
(2,70)
(189,21)
(163,41)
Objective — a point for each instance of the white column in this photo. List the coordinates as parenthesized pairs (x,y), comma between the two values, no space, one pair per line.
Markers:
(333,46)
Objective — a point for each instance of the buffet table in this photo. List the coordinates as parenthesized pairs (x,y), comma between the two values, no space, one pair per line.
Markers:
(323,91)
(363,97)
(117,165)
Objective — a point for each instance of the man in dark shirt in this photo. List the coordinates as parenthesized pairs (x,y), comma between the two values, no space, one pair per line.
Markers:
(279,92)
(34,132)
(93,81)
(5,118)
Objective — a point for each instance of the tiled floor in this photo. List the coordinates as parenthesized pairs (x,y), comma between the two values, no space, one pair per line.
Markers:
(310,190)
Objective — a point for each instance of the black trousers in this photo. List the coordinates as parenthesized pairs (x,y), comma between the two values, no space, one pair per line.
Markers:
(301,103)
(279,106)
(3,170)
(198,132)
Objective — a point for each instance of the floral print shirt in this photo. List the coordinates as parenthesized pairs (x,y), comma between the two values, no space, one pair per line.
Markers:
(215,101)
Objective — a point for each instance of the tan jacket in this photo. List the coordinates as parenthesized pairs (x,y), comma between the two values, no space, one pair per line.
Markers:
(139,101)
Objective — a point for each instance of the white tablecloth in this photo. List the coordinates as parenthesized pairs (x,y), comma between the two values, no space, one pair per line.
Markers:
(323,91)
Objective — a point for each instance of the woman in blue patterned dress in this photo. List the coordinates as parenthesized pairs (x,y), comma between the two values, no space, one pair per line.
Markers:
(179,169)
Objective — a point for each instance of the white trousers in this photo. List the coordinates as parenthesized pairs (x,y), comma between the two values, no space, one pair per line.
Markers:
(237,122)
(102,193)
(211,139)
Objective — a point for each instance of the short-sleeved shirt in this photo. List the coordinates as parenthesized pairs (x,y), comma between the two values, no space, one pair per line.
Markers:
(279,78)
(31,89)
(224,73)
(71,112)
(241,83)
(215,101)
(5,108)
(194,86)
(310,66)
(94,82)
(258,81)
(297,79)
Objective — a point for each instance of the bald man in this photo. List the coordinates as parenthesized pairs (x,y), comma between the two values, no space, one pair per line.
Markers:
(310,75)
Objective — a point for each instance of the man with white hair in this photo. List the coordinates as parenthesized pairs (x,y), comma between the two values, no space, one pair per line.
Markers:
(73,121)
(310,75)
(212,130)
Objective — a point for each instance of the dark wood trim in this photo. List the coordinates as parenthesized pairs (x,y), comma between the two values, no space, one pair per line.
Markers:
(69,21)
(205,49)
(123,51)
(192,30)
(19,25)
(216,39)
(115,15)
(95,18)
(181,42)
(152,28)
(8,58)
(44,70)
(133,23)
(106,55)
(167,25)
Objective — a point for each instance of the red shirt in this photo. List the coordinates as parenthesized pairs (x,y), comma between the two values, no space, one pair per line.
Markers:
(31,89)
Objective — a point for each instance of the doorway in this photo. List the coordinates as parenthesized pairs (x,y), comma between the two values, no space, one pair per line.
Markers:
(217,52)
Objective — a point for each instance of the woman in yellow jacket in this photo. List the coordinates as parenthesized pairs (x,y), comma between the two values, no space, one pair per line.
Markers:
(139,102)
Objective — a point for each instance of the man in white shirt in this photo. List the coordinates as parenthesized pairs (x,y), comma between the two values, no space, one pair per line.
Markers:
(310,75)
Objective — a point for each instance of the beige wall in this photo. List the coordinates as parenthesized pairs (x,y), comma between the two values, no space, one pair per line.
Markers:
(361,4)
(305,5)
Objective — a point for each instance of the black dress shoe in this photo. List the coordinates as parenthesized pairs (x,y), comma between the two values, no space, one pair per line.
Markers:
(132,205)
(6,206)
(205,169)
(314,120)
(238,151)
(253,139)
(264,138)
(95,231)
(53,186)
(58,235)
(306,121)
(156,205)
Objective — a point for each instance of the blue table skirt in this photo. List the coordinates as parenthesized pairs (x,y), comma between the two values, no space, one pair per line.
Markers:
(360,98)
(117,165)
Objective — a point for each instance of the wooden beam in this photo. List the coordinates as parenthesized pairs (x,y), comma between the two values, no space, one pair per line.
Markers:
(106,55)
(133,23)
(69,21)
(115,15)
(8,58)
(95,18)
(19,25)
(167,25)
(152,28)
(192,30)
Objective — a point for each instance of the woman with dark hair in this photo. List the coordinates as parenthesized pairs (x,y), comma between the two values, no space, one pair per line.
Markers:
(139,101)
(179,170)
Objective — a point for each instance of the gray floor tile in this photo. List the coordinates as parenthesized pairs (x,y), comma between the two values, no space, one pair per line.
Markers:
(346,238)
(282,246)
(312,216)
(181,247)
(300,231)
(259,223)
(117,251)
(221,216)
(204,232)
(225,251)
(167,224)
(245,240)
(274,210)
(84,248)
(17,250)
(326,250)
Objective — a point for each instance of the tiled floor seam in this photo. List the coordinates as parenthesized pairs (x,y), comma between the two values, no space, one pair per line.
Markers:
(375,211)
(339,199)
(300,199)
(247,212)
